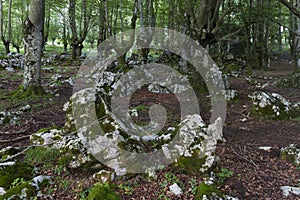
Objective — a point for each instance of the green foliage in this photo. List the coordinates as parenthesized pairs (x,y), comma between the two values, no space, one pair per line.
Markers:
(223,174)
(171,178)
(296,119)
(208,190)
(128,188)
(193,183)
(18,171)
(41,155)
(22,189)
(228,69)
(269,113)
(102,191)
(17,182)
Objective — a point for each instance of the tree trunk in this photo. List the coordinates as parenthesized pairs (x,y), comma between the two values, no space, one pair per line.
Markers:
(77,41)
(6,41)
(74,39)
(65,36)
(297,65)
(47,26)
(33,41)
(294,38)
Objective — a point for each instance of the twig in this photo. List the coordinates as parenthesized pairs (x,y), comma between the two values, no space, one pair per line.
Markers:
(66,189)
(14,139)
(242,155)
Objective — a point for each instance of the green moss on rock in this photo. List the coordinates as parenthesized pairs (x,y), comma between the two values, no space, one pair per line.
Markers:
(291,153)
(102,191)
(208,191)
(22,191)
(31,91)
(191,164)
(19,170)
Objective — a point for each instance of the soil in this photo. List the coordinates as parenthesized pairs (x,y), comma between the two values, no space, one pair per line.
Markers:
(257,174)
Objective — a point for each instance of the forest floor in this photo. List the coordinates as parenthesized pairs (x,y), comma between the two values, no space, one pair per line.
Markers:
(257,174)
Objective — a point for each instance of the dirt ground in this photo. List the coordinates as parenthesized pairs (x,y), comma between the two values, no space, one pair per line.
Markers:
(257,174)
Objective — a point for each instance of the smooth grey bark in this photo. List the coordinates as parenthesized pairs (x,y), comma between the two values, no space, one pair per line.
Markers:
(33,28)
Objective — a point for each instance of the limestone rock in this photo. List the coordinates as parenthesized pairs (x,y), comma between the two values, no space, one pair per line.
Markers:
(273,106)
(46,137)
(291,153)
(287,190)
(175,189)
(13,117)
(104,176)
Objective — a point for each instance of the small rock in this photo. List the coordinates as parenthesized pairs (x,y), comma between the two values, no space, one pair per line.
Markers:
(291,153)
(46,137)
(39,179)
(9,69)
(230,94)
(48,69)
(175,189)
(104,176)
(286,190)
(7,164)
(265,148)
(2,191)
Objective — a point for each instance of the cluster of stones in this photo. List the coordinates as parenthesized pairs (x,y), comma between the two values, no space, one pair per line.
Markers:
(203,138)
(12,61)
(12,117)
(274,106)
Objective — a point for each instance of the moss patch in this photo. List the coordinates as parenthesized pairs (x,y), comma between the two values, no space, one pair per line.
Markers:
(191,165)
(102,191)
(31,91)
(208,191)
(26,190)
(9,173)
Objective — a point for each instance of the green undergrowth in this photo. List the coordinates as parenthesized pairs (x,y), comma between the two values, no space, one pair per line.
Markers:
(102,191)
(268,112)
(24,190)
(210,191)
(30,92)
(10,173)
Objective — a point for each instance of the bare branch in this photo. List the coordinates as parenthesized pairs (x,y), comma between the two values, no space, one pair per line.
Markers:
(292,8)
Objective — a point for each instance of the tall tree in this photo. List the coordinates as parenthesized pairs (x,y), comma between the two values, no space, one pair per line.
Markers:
(33,28)
(6,39)
(294,32)
(82,29)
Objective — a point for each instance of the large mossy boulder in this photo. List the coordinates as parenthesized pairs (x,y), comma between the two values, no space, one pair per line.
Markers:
(92,113)
(69,146)
(200,156)
(273,106)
